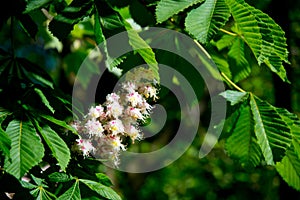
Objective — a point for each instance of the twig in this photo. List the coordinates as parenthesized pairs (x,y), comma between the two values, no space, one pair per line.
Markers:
(232,83)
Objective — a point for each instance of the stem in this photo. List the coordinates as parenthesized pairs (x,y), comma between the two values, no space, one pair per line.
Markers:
(228,32)
(232,83)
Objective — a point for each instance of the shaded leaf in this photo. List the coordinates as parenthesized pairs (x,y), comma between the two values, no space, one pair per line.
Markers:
(5,141)
(28,25)
(59,123)
(103,178)
(240,67)
(35,4)
(73,193)
(59,177)
(62,24)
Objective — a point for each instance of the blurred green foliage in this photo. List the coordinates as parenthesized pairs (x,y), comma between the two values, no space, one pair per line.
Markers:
(214,177)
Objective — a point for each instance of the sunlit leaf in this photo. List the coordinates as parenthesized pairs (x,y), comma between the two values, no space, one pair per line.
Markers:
(242,143)
(167,8)
(206,20)
(271,131)
(58,147)
(101,189)
(26,148)
(234,96)
(289,169)
(44,99)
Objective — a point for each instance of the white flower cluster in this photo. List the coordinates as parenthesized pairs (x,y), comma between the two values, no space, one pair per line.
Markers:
(105,126)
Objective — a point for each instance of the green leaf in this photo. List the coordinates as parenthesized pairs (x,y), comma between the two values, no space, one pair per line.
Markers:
(273,134)
(289,169)
(242,143)
(234,97)
(140,46)
(240,67)
(35,73)
(35,4)
(59,123)
(26,148)
(263,36)
(274,47)
(225,41)
(103,178)
(27,185)
(58,147)
(44,99)
(167,8)
(28,25)
(5,141)
(38,181)
(111,63)
(73,193)
(40,193)
(138,9)
(101,189)
(257,130)
(59,177)
(294,123)
(206,20)
(62,24)
(247,25)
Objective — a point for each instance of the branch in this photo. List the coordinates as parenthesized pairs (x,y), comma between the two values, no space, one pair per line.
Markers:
(232,83)
(228,32)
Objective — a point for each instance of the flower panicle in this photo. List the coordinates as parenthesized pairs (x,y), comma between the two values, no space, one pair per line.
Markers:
(103,129)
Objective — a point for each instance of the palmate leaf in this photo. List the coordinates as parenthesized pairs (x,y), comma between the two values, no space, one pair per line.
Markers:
(237,58)
(167,8)
(235,97)
(242,143)
(111,63)
(41,194)
(101,189)
(35,4)
(73,193)
(273,134)
(289,166)
(26,148)
(44,99)
(289,169)
(38,190)
(62,24)
(247,25)
(58,147)
(258,129)
(263,36)
(59,177)
(204,21)
(4,139)
(140,46)
(58,122)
